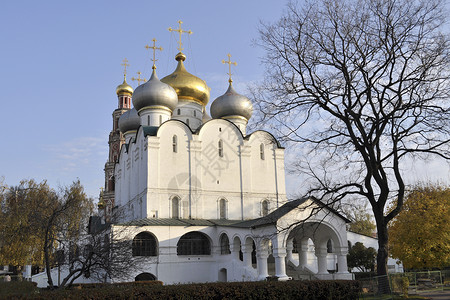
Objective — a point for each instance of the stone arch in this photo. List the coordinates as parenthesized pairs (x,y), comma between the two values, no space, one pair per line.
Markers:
(224,243)
(236,248)
(144,244)
(145,277)
(194,243)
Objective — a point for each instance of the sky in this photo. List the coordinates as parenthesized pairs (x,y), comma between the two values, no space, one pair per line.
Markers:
(61,64)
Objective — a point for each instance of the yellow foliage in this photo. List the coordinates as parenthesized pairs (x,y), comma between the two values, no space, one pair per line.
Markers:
(420,235)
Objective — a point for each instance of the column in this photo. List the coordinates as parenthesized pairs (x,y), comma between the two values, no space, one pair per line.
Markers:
(342,260)
(321,254)
(247,255)
(280,263)
(235,247)
(289,248)
(262,254)
(303,254)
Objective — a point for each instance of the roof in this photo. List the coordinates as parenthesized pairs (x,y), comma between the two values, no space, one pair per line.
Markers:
(270,219)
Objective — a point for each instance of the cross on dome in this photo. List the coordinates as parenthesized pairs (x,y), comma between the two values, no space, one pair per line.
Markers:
(125,65)
(138,79)
(180,31)
(229,62)
(154,52)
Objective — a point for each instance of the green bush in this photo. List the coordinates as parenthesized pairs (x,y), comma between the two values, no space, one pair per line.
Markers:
(17,288)
(233,290)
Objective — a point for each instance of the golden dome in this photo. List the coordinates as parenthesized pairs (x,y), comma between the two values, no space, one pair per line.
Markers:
(124,88)
(101,204)
(187,86)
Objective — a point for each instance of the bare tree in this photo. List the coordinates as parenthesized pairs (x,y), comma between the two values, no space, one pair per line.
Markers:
(362,87)
(81,245)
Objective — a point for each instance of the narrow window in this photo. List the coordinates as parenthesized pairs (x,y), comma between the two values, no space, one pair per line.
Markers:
(265,208)
(160,119)
(222,209)
(220,144)
(148,120)
(179,111)
(195,113)
(187,122)
(174,144)
(261,151)
(175,207)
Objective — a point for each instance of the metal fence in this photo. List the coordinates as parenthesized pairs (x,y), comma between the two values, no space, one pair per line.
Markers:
(388,286)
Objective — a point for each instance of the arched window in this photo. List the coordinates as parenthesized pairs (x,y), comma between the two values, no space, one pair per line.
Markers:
(220,146)
(265,208)
(222,209)
(175,208)
(329,246)
(144,244)
(145,277)
(175,144)
(261,151)
(194,243)
(224,244)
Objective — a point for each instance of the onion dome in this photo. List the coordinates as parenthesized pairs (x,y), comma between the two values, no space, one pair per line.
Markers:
(231,104)
(186,85)
(124,88)
(129,121)
(156,94)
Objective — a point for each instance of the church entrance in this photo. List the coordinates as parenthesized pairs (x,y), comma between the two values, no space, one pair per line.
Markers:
(223,275)
(145,277)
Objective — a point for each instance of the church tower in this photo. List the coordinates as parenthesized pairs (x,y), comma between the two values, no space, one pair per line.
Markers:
(124,92)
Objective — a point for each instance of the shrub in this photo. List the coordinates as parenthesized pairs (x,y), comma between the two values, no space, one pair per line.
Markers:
(222,290)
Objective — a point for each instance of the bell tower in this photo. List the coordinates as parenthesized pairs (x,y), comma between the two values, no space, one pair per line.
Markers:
(124,92)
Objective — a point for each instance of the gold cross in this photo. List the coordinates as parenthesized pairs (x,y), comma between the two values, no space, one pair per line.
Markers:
(229,62)
(180,31)
(139,79)
(154,52)
(125,64)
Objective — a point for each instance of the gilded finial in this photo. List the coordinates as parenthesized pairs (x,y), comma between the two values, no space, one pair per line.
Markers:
(125,65)
(229,62)
(138,79)
(180,31)
(154,52)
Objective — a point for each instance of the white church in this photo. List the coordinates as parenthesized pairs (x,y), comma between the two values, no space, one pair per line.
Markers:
(202,199)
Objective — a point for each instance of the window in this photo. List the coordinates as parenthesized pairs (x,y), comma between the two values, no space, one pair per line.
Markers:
(194,243)
(261,151)
(187,122)
(224,244)
(144,244)
(265,208)
(148,120)
(174,144)
(179,111)
(222,209)
(195,113)
(220,145)
(329,247)
(160,119)
(175,207)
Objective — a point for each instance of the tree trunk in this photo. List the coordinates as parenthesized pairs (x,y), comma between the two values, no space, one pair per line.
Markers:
(382,258)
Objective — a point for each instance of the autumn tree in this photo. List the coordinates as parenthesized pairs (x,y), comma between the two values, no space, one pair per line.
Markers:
(23,209)
(420,234)
(361,257)
(361,87)
(361,220)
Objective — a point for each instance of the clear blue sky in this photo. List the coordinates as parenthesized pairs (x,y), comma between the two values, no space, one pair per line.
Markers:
(61,63)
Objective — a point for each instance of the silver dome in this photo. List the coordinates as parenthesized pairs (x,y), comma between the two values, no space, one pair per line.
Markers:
(154,93)
(231,104)
(129,121)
